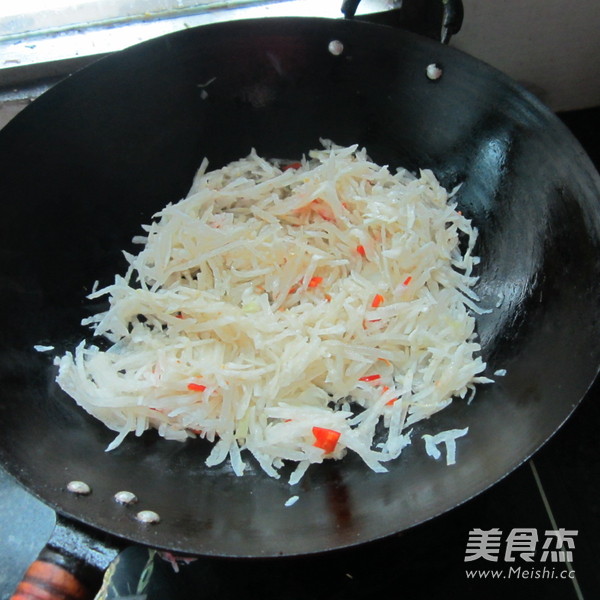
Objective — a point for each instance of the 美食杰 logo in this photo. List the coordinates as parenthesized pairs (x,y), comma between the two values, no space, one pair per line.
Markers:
(529,554)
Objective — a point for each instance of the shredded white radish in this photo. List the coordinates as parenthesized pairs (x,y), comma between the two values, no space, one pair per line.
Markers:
(448,438)
(274,300)
(42,348)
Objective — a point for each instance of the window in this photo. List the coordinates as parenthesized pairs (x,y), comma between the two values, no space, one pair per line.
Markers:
(23,17)
(47,38)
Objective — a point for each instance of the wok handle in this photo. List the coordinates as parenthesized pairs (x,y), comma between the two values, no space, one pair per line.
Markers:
(452,19)
(55,577)
(452,14)
(71,566)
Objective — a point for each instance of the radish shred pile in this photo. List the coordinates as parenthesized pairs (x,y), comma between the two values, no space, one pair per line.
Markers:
(273,300)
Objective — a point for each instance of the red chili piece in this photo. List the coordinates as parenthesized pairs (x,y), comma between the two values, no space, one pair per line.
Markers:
(326,439)
(370,377)
(196,387)
(377,300)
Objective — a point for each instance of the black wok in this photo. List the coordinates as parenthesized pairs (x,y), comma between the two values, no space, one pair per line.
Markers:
(96,156)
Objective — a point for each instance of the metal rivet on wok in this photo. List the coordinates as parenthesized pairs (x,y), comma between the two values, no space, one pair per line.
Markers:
(79,487)
(125,497)
(434,72)
(335,47)
(148,516)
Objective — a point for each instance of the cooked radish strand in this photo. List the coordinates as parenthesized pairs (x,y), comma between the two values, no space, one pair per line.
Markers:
(385,389)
